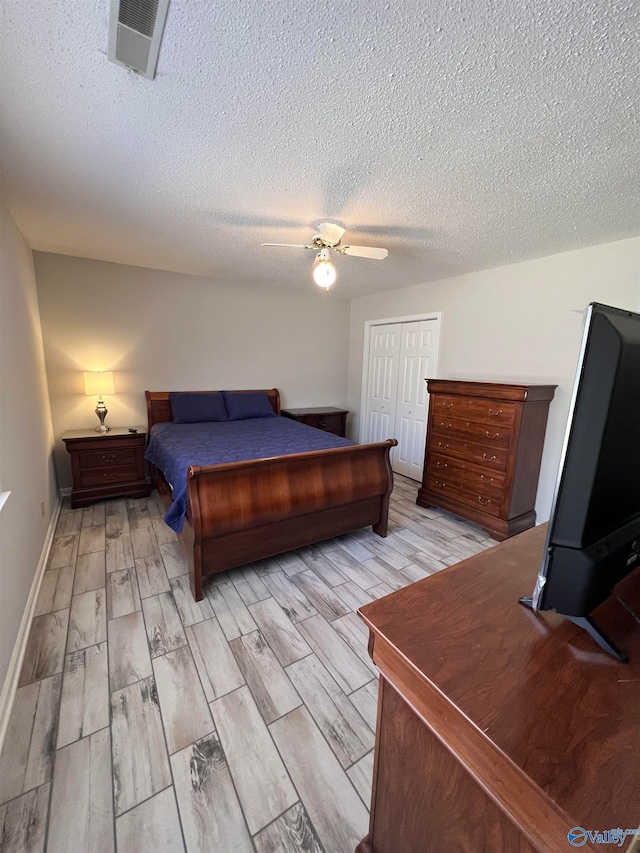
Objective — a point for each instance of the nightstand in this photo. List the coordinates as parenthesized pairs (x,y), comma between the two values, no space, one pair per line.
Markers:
(322,417)
(105,465)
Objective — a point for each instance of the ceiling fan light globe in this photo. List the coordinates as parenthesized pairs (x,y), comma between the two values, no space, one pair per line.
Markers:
(324,273)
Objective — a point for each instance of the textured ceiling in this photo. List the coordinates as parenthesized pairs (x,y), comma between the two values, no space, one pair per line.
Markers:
(460,135)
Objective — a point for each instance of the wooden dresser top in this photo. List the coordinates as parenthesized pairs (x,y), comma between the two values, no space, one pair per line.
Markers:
(493,390)
(536,685)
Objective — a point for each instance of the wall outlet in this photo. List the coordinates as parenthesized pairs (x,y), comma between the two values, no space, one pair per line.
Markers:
(42,508)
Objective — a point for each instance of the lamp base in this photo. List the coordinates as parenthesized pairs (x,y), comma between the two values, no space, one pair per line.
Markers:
(101,412)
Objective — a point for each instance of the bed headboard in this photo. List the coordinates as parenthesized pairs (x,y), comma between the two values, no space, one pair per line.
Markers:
(159,407)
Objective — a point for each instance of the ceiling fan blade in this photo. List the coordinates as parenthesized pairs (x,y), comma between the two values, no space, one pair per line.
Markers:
(331,233)
(288,245)
(365,252)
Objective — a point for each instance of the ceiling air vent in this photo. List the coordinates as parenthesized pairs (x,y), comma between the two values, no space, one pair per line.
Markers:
(135,33)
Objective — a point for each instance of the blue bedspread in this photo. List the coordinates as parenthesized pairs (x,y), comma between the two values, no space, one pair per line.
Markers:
(173,447)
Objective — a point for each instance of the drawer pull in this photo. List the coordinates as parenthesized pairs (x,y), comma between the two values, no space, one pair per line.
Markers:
(108,457)
(441,465)
(486,479)
(496,413)
(484,501)
(110,476)
(322,423)
(445,426)
(440,444)
(489,458)
(441,484)
(447,405)
(497,435)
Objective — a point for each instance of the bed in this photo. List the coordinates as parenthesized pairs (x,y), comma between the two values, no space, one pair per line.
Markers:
(242,511)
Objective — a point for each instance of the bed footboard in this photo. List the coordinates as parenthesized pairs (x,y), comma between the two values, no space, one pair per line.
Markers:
(245,511)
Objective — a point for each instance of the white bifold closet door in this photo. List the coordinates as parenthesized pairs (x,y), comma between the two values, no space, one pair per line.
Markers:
(401,357)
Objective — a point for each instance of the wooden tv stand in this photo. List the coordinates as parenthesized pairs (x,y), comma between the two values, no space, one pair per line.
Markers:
(500,729)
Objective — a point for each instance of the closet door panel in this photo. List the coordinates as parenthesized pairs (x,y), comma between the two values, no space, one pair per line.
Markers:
(383,381)
(417,361)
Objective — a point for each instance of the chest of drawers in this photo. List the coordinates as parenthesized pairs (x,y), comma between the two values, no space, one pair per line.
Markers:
(483,452)
(106,465)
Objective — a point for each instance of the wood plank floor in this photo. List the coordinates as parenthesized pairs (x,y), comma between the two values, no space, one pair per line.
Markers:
(146,722)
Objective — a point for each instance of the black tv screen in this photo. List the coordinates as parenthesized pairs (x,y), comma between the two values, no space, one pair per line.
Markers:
(593,539)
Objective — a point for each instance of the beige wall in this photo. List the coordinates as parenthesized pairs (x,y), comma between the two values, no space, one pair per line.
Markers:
(512,323)
(26,437)
(166,331)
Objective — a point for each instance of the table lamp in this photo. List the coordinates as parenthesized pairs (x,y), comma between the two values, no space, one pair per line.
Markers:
(96,384)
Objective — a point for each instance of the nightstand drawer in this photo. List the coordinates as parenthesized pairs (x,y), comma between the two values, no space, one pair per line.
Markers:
(329,423)
(327,418)
(100,477)
(107,458)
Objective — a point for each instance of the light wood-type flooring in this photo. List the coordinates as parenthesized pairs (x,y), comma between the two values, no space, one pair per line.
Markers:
(145,721)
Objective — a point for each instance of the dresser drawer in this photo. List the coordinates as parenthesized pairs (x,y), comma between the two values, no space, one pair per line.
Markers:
(493,459)
(101,477)
(457,491)
(474,409)
(107,458)
(482,480)
(488,435)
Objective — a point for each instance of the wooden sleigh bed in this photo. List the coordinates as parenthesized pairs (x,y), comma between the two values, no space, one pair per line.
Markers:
(240,512)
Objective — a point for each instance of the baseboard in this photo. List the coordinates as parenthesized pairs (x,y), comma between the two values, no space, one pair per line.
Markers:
(66,491)
(15,664)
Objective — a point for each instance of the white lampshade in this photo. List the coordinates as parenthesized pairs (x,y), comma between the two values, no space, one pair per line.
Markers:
(97,383)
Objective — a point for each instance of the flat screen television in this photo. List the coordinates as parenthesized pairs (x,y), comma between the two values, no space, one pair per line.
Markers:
(593,539)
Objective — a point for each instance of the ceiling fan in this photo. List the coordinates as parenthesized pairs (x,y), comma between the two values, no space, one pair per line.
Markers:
(327,240)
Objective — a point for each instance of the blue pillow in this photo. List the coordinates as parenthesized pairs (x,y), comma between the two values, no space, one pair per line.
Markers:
(193,408)
(252,404)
